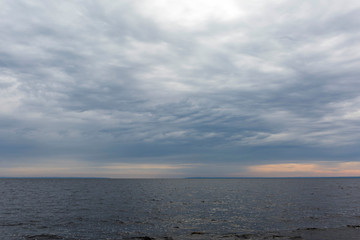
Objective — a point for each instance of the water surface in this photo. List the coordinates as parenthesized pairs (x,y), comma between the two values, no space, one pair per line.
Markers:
(174,208)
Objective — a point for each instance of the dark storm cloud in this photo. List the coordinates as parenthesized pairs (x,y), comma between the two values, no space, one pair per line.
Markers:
(141,82)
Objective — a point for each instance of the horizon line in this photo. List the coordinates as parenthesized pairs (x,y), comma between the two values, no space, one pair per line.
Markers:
(178,177)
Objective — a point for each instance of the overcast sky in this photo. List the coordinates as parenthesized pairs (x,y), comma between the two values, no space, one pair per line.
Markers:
(156,88)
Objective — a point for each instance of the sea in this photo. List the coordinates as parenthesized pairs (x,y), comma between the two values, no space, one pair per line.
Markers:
(166,209)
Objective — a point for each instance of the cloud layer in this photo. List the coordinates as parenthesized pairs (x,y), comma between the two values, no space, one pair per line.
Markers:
(169,82)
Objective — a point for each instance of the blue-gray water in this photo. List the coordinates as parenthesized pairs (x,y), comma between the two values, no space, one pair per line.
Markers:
(173,208)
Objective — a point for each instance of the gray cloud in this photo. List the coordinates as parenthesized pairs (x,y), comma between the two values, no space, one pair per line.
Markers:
(130,82)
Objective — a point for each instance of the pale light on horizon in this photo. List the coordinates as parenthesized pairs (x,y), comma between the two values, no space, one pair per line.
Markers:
(157,170)
(319,169)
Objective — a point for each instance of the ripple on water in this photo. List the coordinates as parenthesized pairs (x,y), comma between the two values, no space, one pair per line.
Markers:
(44,237)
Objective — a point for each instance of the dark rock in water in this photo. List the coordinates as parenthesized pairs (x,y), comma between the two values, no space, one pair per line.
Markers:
(197,233)
(44,237)
(310,228)
(144,238)
(353,226)
(244,236)
(119,222)
(277,236)
(150,238)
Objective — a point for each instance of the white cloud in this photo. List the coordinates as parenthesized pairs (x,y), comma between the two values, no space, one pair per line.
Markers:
(189,15)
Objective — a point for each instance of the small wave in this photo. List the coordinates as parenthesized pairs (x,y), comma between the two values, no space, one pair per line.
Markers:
(44,237)
(11,224)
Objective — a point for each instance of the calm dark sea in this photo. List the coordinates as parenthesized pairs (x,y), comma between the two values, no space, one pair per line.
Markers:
(174,208)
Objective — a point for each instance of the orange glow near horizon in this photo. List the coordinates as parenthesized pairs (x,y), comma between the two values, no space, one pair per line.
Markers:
(318,169)
(172,170)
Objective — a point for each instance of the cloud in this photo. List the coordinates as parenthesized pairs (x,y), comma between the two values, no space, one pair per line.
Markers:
(189,15)
(111,82)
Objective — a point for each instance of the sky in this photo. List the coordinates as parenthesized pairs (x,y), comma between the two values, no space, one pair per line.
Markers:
(156,88)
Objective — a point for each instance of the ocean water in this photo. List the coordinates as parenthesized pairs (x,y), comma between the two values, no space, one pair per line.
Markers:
(176,208)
